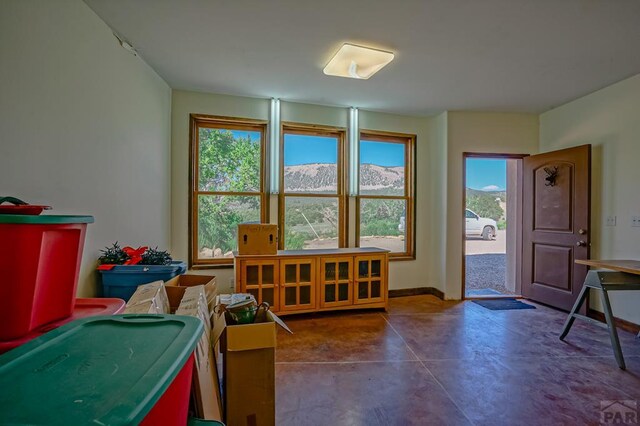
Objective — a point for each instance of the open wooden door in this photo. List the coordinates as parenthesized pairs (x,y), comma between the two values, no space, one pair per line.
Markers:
(556,217)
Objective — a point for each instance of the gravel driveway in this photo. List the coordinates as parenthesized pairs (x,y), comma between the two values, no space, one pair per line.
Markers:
(486,265)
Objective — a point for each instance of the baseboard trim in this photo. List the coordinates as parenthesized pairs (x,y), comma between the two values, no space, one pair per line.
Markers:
(416,291)
(620,323)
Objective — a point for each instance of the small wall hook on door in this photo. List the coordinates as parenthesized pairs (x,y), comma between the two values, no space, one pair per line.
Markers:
(552,174)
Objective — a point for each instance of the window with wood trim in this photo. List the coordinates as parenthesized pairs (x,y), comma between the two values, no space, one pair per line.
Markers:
(385,204)
(311,202)
(228,184)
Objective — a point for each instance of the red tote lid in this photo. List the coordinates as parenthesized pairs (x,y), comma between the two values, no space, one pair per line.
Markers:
(18,206)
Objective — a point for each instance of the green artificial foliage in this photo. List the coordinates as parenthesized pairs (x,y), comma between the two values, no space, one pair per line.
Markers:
(153,256)
(113,255)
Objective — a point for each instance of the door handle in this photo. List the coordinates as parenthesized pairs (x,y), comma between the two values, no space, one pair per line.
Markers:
(581,243)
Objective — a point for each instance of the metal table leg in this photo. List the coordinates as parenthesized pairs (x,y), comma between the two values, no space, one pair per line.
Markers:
(576,307)
(603,282)
(613,332)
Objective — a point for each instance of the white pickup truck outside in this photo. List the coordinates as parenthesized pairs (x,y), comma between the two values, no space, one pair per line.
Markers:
(477,226)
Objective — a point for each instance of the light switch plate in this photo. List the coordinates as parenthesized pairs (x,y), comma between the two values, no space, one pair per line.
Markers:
(611,221)
(635,221)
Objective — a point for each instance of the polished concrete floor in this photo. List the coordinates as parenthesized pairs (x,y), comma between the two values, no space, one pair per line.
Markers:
(427,362)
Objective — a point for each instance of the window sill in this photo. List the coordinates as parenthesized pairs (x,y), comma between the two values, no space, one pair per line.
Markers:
(212,266)
(401,257)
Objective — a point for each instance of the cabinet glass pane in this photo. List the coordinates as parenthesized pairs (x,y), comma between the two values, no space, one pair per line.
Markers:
(330,293)
(290,296)
(375,268)
(343,292)
(252,274)
(363,268)
(375,288)
(363,290)
(329,271)
(267,274)
(305,295)
(343,271)
(254,292)
(305,273)
(267,296)
(290,274)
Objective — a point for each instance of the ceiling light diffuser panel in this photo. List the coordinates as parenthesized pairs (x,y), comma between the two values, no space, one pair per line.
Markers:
(358,62)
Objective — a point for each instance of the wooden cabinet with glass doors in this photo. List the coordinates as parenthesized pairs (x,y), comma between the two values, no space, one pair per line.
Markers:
(260,278)
(297,281)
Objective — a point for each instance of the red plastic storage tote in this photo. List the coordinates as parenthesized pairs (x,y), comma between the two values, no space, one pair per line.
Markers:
(83,308)
(109,370)
(39,265)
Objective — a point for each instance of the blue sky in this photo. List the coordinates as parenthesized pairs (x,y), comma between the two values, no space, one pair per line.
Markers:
(487,173)
(303,149)
(382,154)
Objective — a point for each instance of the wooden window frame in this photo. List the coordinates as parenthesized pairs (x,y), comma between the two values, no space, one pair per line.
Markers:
(409,141)
(197,121)
(341,193)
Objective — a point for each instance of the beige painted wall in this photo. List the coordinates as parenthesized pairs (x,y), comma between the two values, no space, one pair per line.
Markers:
(84,126)
(404,274)
(411,273)
(508,133)
(314,114)
(437,165)
(609,120)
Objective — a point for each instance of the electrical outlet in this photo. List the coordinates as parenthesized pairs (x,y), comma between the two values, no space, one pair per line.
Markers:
(232,284)
(611,221)
(635,221)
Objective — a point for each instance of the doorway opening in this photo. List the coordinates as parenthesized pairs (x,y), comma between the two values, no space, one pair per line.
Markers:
(492,239)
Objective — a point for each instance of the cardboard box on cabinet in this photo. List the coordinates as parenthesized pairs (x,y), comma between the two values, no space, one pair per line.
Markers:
(257,238)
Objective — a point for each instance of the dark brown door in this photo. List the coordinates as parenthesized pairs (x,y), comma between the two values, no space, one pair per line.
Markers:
(555,232)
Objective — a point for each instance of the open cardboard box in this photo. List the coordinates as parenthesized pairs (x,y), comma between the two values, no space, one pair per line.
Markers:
(190,301)
(148,299)
(248,368)
(190,280)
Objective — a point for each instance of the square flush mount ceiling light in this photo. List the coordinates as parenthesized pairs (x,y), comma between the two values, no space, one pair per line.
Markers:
(357,62)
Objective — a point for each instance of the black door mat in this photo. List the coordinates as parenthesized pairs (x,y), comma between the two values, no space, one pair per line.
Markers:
(503,304)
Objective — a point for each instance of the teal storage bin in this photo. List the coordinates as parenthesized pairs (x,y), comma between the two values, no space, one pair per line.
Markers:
(121,281)
(105,370)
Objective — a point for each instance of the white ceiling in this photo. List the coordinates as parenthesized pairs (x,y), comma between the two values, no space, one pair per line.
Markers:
(491,55)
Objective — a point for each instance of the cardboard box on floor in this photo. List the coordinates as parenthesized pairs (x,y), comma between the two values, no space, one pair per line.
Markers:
(190,301)
(248,368)
(190,280)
